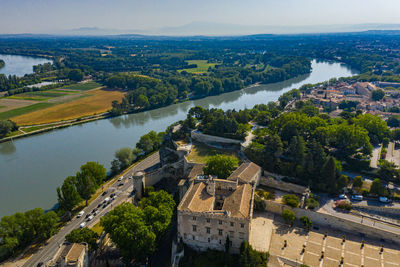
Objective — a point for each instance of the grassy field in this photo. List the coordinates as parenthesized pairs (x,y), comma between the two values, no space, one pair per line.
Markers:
(82,86)
(200,153)
(95,102)
(202,66)
(20,111)
(97,228)
(39,95)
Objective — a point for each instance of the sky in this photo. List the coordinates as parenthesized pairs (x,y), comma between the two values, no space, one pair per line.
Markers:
(52,16)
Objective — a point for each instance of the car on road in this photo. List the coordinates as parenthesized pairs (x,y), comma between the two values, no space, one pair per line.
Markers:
(357,197)
(112,195)
(342,196)
(120,178)
(104,193)
(94,210)
(384,200)
(80,214)
(95,213)
(87,215)
(105,205)
(120,184)
(106,200)
(98,206)
(90,218)
(82,225)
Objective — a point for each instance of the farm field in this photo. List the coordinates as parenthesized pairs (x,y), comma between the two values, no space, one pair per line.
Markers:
(93,102)
(23,110)
(202,66)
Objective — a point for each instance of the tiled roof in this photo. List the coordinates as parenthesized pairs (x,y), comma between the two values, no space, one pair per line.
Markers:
(245,172)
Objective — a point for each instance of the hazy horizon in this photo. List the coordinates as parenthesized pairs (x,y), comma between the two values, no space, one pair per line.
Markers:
(177,16)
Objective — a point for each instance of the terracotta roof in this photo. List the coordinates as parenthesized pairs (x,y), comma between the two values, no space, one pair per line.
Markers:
(236,202)
(196,170)
(245,172)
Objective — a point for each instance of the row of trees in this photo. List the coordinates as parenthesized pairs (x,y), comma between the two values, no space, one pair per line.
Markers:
(21,229)
(125,156)
(81,186)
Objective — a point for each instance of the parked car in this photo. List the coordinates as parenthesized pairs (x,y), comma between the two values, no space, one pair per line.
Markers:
(120,178)
(357,197)
(82,225)
(342,196)
(384,200)
(80,214)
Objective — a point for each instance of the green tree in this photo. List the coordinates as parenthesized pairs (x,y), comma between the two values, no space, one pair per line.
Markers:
(85,185)
(342,181)
(83,235)
(124,157)
(68,196)
(306,221)
(249,257)
(7,127)
(376,187)
(75,75)
(47,225)
(291,200)
(376,127)
(288,216)
(329,174)
(220,165)
(388,171)
(128,230)
(95,170)
(378,94)
(358,182)
(150,142)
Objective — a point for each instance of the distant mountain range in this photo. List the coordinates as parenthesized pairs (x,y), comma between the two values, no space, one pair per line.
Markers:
(225,29)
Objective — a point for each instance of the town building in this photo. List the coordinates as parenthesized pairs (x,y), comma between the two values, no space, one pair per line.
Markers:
(71,255)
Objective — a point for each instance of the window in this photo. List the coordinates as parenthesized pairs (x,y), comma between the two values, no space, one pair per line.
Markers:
(208,220)
(184,235)
(219,222)
(231,234)
(194,238)
(208,240)
(208,230)
(194,228)
(230,189)
(220,242)
(220,231)
(232,224)
(194,218)
(242,225)
(241,235)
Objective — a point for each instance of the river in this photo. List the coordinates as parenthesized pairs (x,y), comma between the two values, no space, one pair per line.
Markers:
(20,65)
(31,168)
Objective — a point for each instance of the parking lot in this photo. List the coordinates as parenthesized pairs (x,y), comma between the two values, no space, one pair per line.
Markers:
(314,249)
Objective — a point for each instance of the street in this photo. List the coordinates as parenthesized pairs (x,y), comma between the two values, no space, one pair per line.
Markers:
(47,251)
(327,203)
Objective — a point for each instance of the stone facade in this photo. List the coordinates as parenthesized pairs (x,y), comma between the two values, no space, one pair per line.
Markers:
(213,210)
(72,255)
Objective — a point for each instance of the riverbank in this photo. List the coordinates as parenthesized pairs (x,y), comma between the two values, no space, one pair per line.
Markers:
(32,167)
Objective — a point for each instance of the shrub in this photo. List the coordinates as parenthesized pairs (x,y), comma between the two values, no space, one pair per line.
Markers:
(312,203)
(291,200)
(306,221)
(259,203)
(344,205)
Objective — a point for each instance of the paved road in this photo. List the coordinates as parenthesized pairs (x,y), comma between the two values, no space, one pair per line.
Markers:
(327,206)
(375,157)
(123,192)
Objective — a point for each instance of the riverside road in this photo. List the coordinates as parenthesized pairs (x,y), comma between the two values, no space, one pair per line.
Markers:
(47,251)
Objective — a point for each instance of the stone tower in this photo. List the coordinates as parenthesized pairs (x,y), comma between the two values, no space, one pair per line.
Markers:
(138,184)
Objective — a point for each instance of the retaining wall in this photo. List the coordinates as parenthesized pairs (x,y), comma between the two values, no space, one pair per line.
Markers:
(205,138)
(325,220)
(283,186)
(382,211)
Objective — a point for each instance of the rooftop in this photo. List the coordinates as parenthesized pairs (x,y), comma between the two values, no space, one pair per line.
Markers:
(236,202)
(245,172)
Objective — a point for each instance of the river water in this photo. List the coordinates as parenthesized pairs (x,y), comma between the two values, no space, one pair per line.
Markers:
(20,65)
(31,168)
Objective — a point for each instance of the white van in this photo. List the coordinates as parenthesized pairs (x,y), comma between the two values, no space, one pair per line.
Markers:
(80,214)
(106,200)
